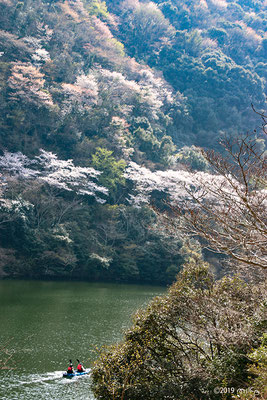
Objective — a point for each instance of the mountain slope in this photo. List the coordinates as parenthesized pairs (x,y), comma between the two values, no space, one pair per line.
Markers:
(89,87)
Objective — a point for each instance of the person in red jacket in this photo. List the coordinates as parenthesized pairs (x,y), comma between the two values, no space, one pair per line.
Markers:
(70,369)
(80,367)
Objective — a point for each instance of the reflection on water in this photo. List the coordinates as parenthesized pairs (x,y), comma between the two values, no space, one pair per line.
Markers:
(44,324)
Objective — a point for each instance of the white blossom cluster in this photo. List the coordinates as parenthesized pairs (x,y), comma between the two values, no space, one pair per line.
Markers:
(40,54)
(65,175)
(116,89)
(62,174)
(17,206)
(175,184)
(154,90)
(104,87)
(104,261)
(81,95)
(18,164)
(61,233)
(151,89)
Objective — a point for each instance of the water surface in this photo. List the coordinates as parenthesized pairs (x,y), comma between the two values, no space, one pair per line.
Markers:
(44,324)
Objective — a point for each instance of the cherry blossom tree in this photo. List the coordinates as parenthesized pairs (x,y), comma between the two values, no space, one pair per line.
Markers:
(230,213)
(18,164)
(81,95)
(62,174)
(116,89)
(174,184)
(27,85)
(226,208)
(65,175)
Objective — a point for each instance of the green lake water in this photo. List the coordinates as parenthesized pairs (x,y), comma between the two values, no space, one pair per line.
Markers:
(44,324)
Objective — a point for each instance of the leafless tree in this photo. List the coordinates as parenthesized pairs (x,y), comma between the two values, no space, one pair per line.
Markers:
(229,211)
(263,118)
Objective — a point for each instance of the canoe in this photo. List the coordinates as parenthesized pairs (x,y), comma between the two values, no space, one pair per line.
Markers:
(76,373)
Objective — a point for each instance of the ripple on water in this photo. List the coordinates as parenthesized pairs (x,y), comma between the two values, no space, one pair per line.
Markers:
(46,386)
(47,323)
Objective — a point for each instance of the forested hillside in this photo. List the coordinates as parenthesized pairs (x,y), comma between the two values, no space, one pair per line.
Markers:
(100,99)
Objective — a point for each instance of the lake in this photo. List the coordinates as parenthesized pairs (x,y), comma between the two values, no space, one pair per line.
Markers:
(44,324)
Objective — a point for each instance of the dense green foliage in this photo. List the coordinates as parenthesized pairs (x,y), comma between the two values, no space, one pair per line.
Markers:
(258,373)
(188,343)
(213,52)
(103,84)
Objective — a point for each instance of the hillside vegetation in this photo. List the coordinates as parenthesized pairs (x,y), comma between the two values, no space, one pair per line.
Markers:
(98,96)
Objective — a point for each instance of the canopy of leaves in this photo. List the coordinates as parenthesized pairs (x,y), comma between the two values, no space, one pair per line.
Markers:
(187,343)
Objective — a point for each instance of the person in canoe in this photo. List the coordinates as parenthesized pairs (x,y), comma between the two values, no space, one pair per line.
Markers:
(80,367)
(70,369)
